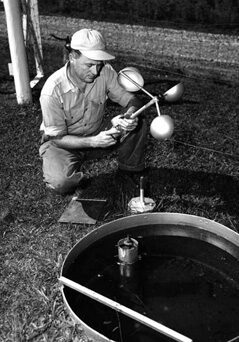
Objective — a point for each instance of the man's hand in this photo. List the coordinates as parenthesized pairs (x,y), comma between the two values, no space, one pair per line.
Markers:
(106,138)
(123,123)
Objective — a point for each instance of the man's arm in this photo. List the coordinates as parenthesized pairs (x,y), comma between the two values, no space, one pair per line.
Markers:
(105,138)
(102,140)
(54,127)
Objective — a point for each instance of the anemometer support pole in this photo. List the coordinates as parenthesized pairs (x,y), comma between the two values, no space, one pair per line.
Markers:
(17,51)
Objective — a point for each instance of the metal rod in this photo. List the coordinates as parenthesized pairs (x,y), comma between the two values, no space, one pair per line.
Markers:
(136,84)
(234,339)
(141,190)
(140,110)
(126,311)
(157,107)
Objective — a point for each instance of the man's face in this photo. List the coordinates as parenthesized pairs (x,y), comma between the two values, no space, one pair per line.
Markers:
(86,69)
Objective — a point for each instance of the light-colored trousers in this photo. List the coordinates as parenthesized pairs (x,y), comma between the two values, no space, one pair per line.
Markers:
(62,168)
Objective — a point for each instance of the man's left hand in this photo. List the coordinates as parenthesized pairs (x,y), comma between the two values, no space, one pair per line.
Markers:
(121,122)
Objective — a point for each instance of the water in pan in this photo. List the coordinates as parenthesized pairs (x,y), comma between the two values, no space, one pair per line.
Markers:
(188,285)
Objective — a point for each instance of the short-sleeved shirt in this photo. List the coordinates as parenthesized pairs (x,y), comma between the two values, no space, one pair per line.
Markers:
(68,110)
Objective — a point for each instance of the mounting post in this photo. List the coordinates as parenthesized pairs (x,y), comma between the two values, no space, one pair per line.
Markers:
(17,51)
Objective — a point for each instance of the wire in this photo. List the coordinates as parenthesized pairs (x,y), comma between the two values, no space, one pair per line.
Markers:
(67,41)
(207,149)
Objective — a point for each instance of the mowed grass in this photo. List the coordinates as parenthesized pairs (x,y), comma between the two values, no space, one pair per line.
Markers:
(195,172)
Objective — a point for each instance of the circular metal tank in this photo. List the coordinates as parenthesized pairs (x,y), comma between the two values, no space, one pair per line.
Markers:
(186,236)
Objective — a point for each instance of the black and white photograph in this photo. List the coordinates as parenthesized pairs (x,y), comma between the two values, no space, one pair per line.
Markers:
(119,171)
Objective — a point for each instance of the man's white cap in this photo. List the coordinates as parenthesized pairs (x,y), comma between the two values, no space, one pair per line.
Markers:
(91,44)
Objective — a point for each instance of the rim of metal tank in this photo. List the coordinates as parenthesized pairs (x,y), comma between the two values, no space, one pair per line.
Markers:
(206,230)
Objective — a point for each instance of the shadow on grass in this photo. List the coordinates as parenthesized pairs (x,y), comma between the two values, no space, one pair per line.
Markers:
(221,190)
(196,193)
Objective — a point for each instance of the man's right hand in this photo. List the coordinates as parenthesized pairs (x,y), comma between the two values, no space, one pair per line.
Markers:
(106,138)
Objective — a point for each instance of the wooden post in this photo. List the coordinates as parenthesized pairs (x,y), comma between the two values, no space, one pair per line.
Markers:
(17,51)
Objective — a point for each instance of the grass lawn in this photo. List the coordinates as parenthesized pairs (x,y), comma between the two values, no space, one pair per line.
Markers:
(195,172)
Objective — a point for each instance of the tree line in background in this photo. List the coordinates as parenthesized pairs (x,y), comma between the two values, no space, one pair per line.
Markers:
(224,13)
